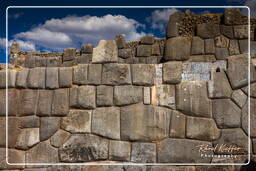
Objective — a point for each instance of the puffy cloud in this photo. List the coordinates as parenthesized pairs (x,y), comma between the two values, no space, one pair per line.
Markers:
(159,18)
(24,45)
(71,31)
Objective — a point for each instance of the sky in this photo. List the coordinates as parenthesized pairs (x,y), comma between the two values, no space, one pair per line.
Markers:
(53,29)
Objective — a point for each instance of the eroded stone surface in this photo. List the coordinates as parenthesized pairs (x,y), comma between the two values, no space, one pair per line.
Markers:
(143,153)
(59,138)
(172,72)
(143,74)
(81,148)
(125,95)
(48,126)
(28,138)
(119,150)
(60,102)
(106,51)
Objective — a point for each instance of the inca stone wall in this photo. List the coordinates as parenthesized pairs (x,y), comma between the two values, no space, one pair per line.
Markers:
(148,101)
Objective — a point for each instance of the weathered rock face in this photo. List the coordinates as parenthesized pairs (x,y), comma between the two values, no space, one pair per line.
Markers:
(143,122)
(170,151)
(239,97)
(172,48)
(164,95)
(105,52)
(197,46)
(106,122)
(104,95)
(15,156)
(48,126)
(177,125)
(59,138)
(232,16)
(226,113)
(119,150)
(60,102)
(202,129)
(69,54)
(245,114)
(125,95)
(173,24)
(143,152)
(77,121)
(143,74)
(82,148)
(208,30)
(192,98)
(28,138)
(172,72)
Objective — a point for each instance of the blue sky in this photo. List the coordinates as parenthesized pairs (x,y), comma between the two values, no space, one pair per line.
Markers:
(53,29)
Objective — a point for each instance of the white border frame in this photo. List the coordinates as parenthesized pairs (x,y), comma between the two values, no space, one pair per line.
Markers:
(101,163)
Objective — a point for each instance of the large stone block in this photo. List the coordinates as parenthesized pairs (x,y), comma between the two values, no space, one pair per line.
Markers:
(192,98)
(221,53)
(125,95)
(84,59)
(45,103)
(59,138)
(241,32)
(172,72)
(85,147)
(104,95)
(227,31)
(94,74)
(105,52)
(147,40)
(209,46)
(28,102)
(21,80)
(144,122)
(36,78)
(202,129)
(125,53)
(208,30)
(13,102)
(177,125)
(116,74)
(65,77)
(143,74)
(13,131)
(77,121)
(106,122)
(14,156)
(87,48)
(245,120)
(69,54)
(218,86)
(143,50)
(164,95)
(11,78)
(60,102)
(27,138)
(182,151)
(235,138)
(80,75)
(143,152)
(48,127)
(86,97)
(239,98)
(238,71)
(226,113)
(173,24)
(119,150)
(52,78)
(172,48)
(42,153)
(197,46)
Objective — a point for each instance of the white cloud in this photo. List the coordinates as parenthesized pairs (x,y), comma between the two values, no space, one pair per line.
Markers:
(24,45)
(71,31)
(160,18)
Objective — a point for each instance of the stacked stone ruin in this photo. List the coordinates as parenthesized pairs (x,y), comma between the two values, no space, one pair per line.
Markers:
(147,101)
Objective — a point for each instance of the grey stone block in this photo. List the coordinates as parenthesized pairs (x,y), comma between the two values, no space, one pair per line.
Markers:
(94,74)
(239,97)
(201,129)
(164,95)
(147,40)
(86,97)
(202,58)
(119,150)
(69,54)
(69,63)
(106,122)
(209,46)
(30,61)
(137,118)
(60,102)
(48,127)
(40,62)
(73,97)
(208,30)
(2,79)
(221,53)
(87,49)
(172,72)
(104,95)
(77,121)
(11,78)
(105,52)
(120,41)
(182,151)
(143,152)
(226,113)
(147,95)
(29,122)
(53,61)
(227,31)
(36,78)
(65,77)
(197,46)
(143,74)
(59,138)
(86,143)
(172,48)
(80,74)
(28,102)
(21,80)
(84,59)
(27,138)
(177,125)
(52,78)
(245,120)
(143,50)
(173,24)
(156,49)
(45,103)
(125,95)
(13,102)
(233,47)
(241,32)
(125,53)
(116,74)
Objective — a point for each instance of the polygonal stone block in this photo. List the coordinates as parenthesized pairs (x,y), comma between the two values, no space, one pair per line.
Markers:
(45,103)
(65,77)
(21,80)
(125,95)
(119,150)
(104,96)
(143,152)
(60,102)
(80,74)
(86,97)
(147,40)
(143,50)
(172,72)
(197,46)
(94,74)
(143,74)
(208,30)
(69,54)
(28,102)
(52,81)
(48,127)
(36,78)
(105,52)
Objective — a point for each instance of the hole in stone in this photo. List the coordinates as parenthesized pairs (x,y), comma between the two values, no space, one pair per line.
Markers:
(218,69)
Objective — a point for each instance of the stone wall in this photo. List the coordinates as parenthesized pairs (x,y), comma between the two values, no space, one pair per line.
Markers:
(148,101)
